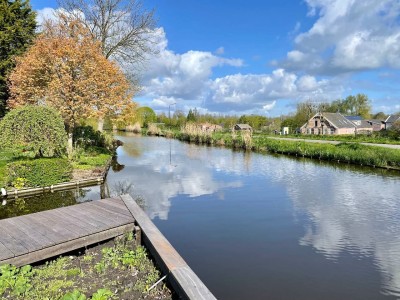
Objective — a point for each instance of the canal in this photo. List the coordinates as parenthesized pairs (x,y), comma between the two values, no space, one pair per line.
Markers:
(256,226)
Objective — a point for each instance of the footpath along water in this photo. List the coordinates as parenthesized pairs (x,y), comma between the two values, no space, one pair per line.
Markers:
(255,226)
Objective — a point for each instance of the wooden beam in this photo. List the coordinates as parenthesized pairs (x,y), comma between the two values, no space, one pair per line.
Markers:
(184,281)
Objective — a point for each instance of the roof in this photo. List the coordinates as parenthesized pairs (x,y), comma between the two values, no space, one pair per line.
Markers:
(244,126)
(392,118)
(338,120)
(375,120)
(353,118)
(364,124)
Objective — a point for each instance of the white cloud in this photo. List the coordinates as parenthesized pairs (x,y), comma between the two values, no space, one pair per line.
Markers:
(181,76)
(237,91)
(220,51)
(46,13)
(269,106)
(348,36)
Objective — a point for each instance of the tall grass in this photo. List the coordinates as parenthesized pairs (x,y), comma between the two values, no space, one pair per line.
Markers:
(136,128)
(376,138)
(344,152)
(353,153)
(153,129)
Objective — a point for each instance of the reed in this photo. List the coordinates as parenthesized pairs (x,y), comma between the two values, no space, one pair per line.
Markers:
(136,128)
(353,153)
(153,129)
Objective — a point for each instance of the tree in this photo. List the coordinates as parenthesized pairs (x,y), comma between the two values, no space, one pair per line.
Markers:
(37,129)
(191,116)
(65,69)
(122,27)
(17,31)
(358,105)
(146,115)
(380,116)
(128,116)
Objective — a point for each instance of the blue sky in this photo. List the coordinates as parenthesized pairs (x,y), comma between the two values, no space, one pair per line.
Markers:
(235,57)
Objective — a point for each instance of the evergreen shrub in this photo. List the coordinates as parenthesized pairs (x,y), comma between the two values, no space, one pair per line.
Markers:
(39,172)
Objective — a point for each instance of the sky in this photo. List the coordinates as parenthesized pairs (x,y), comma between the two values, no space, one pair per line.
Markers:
(263,57)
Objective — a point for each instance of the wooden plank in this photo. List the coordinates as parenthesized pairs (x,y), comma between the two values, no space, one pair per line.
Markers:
(5,252)
(32,230)
(49,228)
(63,220)
(113,214)
(113,206)
(26,240)
(71,245)
(184,280)
(74,219)
(11,243)
(110,218)
(89,217)
(168,254)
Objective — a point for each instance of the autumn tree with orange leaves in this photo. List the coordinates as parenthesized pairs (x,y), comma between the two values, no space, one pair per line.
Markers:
(65,69)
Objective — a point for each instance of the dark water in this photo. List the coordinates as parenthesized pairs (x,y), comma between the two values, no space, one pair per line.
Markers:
(256,226)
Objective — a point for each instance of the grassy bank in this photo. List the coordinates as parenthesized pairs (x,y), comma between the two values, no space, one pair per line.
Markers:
(353,153)
(19,169)
(115,270)
(360,138)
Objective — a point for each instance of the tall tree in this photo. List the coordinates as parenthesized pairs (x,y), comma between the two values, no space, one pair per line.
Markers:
(123,27)
(65,69)
(17,31)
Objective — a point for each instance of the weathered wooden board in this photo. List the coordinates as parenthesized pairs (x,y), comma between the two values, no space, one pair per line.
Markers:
(38,236)
(184,281)
(58,249)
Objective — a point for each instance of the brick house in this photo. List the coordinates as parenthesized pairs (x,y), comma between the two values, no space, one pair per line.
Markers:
(328,123)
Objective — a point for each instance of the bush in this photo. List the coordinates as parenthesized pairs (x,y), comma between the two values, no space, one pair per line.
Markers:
(36,129)
(39,172)
(87,137)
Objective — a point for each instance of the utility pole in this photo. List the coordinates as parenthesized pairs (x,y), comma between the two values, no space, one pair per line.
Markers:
(169,113)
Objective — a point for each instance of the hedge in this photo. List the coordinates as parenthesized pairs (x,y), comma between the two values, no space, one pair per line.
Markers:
(39,172)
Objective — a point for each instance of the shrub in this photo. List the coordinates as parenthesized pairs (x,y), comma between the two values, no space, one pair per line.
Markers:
(87,137)
(37,129)
(39,172)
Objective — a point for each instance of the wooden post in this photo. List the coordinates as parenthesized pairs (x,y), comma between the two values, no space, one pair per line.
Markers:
(138,235)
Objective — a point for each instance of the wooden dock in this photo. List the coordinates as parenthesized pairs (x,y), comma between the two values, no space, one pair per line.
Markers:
(39,236)
(34,237)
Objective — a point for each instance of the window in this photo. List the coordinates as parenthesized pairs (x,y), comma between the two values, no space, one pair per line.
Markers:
(316,123)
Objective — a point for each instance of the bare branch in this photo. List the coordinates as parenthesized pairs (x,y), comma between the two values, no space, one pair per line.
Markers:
(122,27)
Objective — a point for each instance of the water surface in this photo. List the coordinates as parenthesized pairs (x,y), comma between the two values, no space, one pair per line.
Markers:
(256,226)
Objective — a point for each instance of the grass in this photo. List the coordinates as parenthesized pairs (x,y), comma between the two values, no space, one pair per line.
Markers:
(6,156)
(354,152)
(345,152)
(89,158)
(376,138)
(116,270)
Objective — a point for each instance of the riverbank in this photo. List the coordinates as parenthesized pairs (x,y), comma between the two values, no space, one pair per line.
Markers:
(354,153)
(18,171)
(117,269)
(360,138)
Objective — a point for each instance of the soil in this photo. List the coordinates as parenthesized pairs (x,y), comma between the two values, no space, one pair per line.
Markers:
(125,270)
(120,281)
(78,174)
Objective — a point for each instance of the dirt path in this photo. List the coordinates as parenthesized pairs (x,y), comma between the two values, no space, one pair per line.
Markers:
(336,142)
